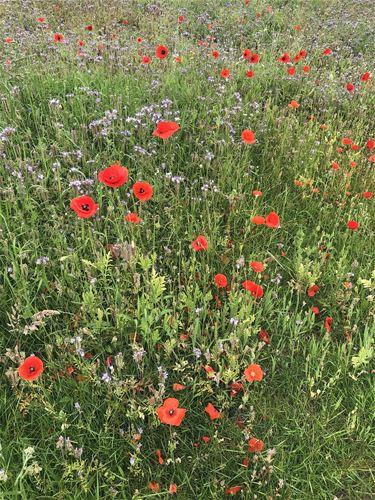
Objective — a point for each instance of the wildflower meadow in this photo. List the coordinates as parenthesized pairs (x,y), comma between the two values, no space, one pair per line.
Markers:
(187,242)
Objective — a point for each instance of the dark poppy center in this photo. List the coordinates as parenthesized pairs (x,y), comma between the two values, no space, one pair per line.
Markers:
(162,51)
(171,412)
(31,369)
(141,191)
(85,207)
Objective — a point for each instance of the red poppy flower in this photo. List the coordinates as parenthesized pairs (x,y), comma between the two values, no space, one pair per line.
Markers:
(264,337)
(256,194)
(146,60)
(250,74)
(248,136)
(88,27)
(139,40)
(353,225)
(212,412)
(365,77)
(206,439)
(368,195)
(335,166)
(84,206)
(312,290)
(346,141)
(170,413)
(70,370)
(273,220)
(40,19)
(293,104)
(235,388)
(328,324)
(81,43)
(181,19)
(284,58)
(291,70)
(8,40)
(161,52)
(221,280)
(298,27)
(215,54)
(172,488)
(160,458)
(178,387)
(370,144)
(258,220)
(225,73)
(246,54)
(113,176)
(256,266)
(133,218)
(372,158)
(178,59)
(253,372)
(350,87)
(254,58)
(31,368)
(165,129)
(143,191)
(255,445)
(208,369)
(200,243)
(233,490)
(315,310)
(327,52)
(306,69)
(154,486)
(255,290)
(57,38)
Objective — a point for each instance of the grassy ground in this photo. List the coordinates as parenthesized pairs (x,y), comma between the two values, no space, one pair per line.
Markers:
(120,312)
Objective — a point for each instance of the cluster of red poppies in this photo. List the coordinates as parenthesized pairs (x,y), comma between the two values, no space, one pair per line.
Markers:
(272,220)
(116,175)
(171,414)
(113,176)
(285,58)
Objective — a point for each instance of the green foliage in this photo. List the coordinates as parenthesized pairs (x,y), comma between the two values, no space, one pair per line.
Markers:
(120,312)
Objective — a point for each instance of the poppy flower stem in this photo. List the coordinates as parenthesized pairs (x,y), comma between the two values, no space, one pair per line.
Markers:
(100,196)
(171,439)
(83,235)
(118,200)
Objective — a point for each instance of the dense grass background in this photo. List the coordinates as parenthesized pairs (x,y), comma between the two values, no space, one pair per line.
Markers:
(116,288)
